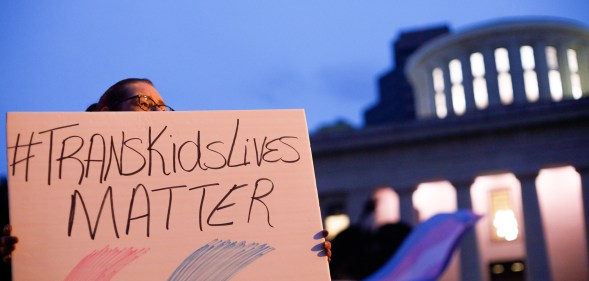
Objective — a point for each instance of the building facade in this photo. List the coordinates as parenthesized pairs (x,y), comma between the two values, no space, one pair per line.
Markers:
(499,124)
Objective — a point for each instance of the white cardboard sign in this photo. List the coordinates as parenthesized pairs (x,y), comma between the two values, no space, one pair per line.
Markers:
(211,195)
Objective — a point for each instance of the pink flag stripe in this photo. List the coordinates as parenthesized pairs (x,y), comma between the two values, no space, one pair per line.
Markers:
(104,264)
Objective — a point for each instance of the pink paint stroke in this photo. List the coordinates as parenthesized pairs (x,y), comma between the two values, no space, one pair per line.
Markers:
(102,265)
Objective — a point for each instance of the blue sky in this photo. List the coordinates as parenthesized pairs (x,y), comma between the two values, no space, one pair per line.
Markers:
(323,56)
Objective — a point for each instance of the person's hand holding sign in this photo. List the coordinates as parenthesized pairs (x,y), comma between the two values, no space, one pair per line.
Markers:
(7,243)
(327,245)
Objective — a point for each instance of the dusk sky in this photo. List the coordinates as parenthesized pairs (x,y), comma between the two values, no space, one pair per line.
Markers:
(322,56)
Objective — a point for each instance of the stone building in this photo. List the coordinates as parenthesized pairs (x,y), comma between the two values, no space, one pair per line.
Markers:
(494,119)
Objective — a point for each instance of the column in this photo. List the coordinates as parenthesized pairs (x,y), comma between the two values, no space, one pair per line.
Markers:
(517,74)
(429,102)
(406,205)
(467,83)
(583,59)
(584,173)
(470,263)
(542,71)
(537,265)
(491,76)
(565,72)
(356,200)
(448,88)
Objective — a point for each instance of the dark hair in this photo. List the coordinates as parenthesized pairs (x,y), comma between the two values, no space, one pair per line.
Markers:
(113,94)
(91,107)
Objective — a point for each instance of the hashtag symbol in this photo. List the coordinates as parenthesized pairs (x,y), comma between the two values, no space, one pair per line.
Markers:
(18,147)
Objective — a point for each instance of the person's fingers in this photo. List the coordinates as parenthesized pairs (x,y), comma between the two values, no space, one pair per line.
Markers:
(7,229)
(327,246)
(8,240)
(7,247)
(325,233)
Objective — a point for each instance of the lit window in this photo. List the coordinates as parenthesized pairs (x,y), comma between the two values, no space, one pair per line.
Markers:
(575,78)
(530,78)
(479,84)
(458,101)
(439,96)
(505,226)
(503,76)
(553,74)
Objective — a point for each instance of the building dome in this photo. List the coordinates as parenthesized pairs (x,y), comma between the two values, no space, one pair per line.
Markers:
(506,63)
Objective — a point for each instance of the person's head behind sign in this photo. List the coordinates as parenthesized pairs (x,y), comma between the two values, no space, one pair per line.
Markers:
(132,94)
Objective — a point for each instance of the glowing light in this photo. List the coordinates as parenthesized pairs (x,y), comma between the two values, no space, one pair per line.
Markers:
(458,100)
(527,56)
(531,85)
(572,58)
(517,267)
(555,85)
(438,77)
(441,110)
(455,71)
(335,224)
(505,224)
(498,269)
(505,88)
(551,58)
(502,60)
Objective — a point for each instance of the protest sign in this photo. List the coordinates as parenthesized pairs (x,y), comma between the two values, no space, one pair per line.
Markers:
(211,195)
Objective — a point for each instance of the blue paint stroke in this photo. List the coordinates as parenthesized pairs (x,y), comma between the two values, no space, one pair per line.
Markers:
(219,260)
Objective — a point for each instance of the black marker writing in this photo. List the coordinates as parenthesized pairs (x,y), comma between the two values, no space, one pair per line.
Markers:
(77,195)
(140,206)
(220,206)
(49,158)
(259,199)
(170,200)
(132,205)
(26,159)
(98,156)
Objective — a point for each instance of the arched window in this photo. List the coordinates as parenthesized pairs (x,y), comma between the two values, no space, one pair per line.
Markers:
(503,76)
(554,79)
(574,72)
(479,84)
(530,77)
(439,96)
(458,101)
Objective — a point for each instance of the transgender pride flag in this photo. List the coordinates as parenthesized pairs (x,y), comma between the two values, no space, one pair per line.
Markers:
(426,252)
